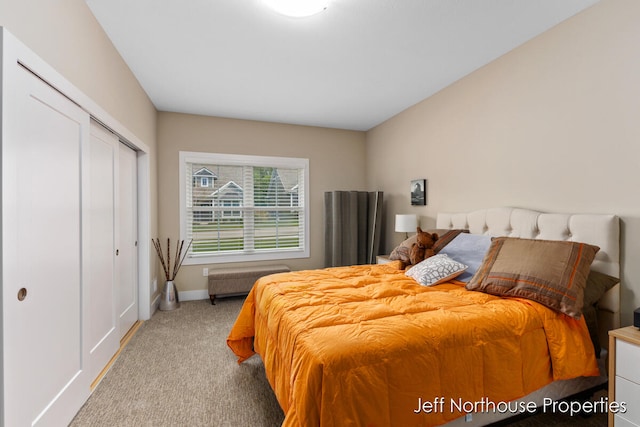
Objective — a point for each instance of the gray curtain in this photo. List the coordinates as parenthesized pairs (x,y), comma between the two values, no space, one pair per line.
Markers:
(352,227)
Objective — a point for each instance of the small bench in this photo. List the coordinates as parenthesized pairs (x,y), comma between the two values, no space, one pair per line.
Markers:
(238,280)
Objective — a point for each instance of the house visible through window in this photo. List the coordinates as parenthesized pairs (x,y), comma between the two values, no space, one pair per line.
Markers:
(242,208)
(205,176)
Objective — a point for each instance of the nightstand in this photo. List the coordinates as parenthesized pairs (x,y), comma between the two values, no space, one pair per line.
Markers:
(382,259)
(624,375)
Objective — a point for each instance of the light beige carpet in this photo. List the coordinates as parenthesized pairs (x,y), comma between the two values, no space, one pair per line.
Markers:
(178,371)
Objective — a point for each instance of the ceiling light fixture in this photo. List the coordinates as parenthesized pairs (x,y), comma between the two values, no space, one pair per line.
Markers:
(297,8)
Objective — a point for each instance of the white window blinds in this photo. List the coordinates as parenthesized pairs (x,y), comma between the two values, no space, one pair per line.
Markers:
(254,207)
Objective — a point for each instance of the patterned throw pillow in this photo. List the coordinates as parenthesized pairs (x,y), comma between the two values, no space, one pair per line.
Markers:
(436,269)
(551,272)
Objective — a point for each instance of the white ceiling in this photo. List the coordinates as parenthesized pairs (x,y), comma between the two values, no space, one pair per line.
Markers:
(352,66)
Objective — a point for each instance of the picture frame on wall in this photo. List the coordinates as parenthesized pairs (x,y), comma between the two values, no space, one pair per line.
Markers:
(418,192)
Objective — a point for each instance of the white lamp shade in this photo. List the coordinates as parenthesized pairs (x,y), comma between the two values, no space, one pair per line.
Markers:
(406,223)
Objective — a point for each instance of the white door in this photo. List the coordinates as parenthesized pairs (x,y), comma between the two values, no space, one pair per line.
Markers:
(46,379)
(104,336)
(127,247)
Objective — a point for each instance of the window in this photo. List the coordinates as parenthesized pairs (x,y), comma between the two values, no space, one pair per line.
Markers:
(253,208)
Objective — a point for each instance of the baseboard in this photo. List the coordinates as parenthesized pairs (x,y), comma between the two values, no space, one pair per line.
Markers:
(182,296)
(155,304)
(193,295)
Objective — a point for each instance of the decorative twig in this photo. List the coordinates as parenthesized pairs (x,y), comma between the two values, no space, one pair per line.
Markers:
(185,253)
(178,252)
(169,258)
(177,262)
(156,244)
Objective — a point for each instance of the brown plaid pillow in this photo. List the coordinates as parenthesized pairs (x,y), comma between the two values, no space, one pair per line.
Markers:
(551,272)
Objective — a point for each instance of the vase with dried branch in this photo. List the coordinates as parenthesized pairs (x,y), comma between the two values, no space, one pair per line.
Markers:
(169,299)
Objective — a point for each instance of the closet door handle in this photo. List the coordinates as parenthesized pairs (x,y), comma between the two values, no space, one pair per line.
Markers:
(117,252)
(22,294)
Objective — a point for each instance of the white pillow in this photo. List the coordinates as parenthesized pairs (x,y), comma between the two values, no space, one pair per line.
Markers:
(436,269)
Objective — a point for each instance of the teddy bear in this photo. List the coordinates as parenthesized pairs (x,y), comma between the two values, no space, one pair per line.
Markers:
(423,247)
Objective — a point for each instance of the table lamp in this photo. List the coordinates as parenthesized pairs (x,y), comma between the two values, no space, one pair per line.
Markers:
(406,223)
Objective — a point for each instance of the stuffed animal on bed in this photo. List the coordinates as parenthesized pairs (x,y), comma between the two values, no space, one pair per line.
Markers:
(423,247)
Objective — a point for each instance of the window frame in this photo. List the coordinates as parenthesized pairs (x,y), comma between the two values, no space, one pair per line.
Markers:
(244,160)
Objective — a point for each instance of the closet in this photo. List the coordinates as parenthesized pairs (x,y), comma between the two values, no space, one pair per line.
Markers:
(45,364)
(67,193)
(126,289)
(113,292)
(104,339)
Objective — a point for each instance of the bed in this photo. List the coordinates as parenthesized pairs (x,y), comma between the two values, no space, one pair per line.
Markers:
(370,346)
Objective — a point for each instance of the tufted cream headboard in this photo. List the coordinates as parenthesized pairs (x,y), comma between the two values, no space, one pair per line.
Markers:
(600,230)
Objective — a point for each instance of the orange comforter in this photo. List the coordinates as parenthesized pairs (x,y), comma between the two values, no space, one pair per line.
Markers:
(368,346)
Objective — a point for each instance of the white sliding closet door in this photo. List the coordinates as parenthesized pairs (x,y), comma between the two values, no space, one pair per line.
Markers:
(127,288)
(46,379)
(104,336)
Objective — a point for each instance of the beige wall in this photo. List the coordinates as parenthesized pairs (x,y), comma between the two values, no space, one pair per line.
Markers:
(336,162)
(65,34)
(549,126)
(553,126)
